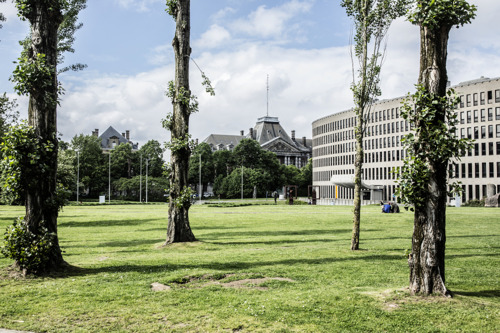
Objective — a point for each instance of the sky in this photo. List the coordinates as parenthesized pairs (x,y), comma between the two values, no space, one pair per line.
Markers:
(302,46)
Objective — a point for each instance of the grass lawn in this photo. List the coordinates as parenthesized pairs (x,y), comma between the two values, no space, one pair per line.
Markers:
(254,269)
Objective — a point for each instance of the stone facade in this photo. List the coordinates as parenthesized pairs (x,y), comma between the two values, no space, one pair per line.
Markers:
(272,137)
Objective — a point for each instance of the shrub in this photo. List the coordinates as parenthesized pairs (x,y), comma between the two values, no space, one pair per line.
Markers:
(474,203)
(30,251)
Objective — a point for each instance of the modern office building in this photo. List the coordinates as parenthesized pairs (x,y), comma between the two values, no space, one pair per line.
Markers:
(334,147)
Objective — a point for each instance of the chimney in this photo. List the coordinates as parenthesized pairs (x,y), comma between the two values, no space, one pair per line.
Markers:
(96,132)
(242,133)
(123,134)
(127,133)
(196,142)
(251,133)
(293,135)
(304,141)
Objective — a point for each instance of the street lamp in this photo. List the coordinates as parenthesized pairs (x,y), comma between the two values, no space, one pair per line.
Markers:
(147,163)
(78,178)
(242,182)
(109,178)
(201,186)
(140,183)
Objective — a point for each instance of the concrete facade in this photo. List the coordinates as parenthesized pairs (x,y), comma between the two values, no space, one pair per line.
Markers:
(334,147)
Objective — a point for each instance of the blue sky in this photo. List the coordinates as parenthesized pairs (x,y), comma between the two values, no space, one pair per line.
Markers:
(303,45)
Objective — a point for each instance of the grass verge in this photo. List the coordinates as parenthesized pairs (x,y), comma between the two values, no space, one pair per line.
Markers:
(272,268)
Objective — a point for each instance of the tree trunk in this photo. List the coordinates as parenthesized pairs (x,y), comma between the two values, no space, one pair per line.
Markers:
(178,229)
(427,269)
(41,201)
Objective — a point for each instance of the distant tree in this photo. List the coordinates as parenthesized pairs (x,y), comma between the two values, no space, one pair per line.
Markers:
(223,163)
(8,113)
(2,17)
(121,161)
(93,164)
(423,179)
(372,19)
(207,165)
(66,171)
(153,151)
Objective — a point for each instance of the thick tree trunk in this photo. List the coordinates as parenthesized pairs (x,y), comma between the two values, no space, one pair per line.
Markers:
(427,269)
(178,229)
(41,201)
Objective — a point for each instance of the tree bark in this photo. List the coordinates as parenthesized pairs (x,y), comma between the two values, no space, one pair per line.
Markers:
(427,268)
(178,229)
(41,201)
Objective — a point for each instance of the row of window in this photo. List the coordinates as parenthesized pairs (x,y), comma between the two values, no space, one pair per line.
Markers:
(479,115)
(479,98)
(475,170)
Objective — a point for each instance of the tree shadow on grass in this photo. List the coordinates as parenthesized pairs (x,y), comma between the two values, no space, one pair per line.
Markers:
(482,293)
(105,223)
(276,233)
(272,242)
(219,266)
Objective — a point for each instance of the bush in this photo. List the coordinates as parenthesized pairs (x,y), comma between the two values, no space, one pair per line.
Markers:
(474,203)
(30,251)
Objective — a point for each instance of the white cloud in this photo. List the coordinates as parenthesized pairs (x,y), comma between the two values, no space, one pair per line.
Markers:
(138,5)
(213,37)
(272,22)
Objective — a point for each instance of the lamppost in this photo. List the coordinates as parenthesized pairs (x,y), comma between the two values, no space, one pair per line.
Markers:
(78,178)
(242,182)
(201,187)
(147,163)
(140,183)
(109,178)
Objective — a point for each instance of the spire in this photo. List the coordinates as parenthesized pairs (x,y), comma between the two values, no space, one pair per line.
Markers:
(267,95)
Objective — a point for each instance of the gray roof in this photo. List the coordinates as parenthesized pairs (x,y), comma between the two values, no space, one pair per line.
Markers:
(268,128)
(110,133)
(226,140)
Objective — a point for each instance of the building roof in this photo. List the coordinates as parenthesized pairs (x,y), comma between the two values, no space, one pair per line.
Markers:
(223,139)
(112,133)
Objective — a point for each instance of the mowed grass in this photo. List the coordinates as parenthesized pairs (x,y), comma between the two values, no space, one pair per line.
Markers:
(328,288)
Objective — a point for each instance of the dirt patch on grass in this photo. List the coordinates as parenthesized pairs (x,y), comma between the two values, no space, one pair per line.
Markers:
(393,299)
(230,280)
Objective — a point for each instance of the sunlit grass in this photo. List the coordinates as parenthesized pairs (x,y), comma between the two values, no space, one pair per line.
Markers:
(119,253)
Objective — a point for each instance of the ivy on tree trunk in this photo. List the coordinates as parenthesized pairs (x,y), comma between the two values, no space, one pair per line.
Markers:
(178,229)
(433,144)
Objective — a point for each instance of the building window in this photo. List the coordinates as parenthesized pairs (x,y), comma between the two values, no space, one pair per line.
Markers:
(476,149)
(476,116)
(497,113)
(462,133)
(483,115)
(469,117)
(468,100)
(498,148)
(469,132)
(483,148)
(490,114)
(464,172)
(498,169)
(462,100)
(483,132)
(475,100)
(492,170)
(490,96)
(476,168)
(462,119)
(476,132)
(497,96)
(498,131)
(490,148)
(483,170)
(490,131)
(482,96)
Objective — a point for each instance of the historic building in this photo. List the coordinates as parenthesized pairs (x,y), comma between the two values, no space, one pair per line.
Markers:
(334,147)
(272,137)
(111,138)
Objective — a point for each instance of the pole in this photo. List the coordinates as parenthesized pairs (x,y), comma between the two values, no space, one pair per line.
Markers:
(242,182)
(147,163)
(140,183)
(78,177)
(201,188)
(109,178)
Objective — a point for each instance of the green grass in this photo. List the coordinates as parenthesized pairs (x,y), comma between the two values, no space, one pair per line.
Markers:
(328,288)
